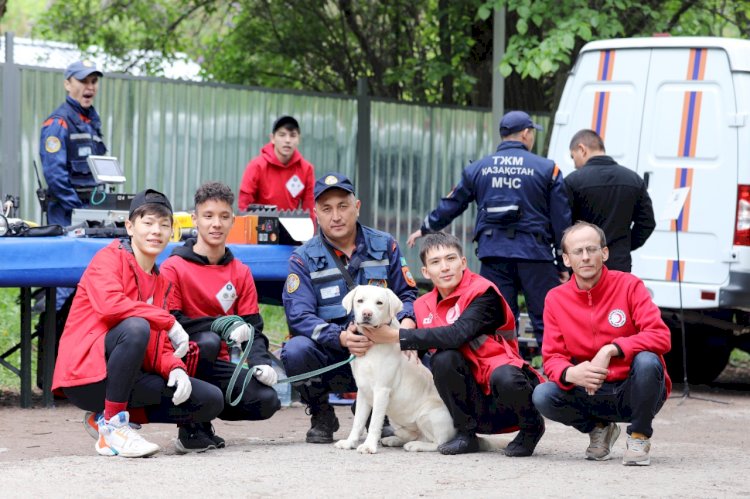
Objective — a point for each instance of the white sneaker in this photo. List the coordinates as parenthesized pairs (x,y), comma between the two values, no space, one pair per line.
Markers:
(637,452)
(601,442)
(90,420)
(117,438)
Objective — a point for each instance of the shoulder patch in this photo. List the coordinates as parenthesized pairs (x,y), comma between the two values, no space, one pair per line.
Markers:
(408,277)
(292,283)
(52,145)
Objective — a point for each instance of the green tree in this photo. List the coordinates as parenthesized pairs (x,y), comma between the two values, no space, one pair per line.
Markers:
(435,51)
(544,36)
(421,50)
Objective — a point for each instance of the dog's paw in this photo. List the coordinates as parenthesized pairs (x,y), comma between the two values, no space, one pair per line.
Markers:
(419,446)
(393,441)
(344,444)
(367,448)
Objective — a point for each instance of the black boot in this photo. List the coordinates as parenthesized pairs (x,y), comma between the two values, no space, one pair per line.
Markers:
(324,424)
(465,442)
(525,442)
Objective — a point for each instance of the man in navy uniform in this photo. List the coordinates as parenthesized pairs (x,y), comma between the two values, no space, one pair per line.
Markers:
(321,272)
(69,135)
(522,212)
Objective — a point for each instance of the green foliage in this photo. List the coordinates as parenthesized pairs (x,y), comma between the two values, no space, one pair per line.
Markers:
(274,324)
(435,51)
(739,358)
(10,335)
(548,34)
(420,50)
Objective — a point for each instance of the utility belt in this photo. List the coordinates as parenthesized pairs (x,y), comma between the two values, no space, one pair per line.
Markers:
(510,233)
(84,194)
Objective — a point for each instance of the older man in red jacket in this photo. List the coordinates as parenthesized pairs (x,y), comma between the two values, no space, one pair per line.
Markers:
(603,351)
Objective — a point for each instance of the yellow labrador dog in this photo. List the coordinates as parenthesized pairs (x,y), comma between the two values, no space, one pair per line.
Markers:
(389,383)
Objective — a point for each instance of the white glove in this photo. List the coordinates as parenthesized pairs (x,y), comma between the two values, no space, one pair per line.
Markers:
(179,339)
(266,375)
(183,387)
(240,334)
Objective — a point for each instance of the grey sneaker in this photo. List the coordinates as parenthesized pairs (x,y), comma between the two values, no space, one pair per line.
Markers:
(601,442)
(636,453)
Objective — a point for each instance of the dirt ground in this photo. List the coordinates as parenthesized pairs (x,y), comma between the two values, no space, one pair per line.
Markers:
(700,449)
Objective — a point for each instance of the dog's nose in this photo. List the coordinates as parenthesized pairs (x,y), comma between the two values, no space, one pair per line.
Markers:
(367,315)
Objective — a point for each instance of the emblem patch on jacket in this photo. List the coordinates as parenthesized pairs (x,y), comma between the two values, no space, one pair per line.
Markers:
(617,318)
(453,314)
(427,320)
(292,283)
(226,296)
(52,145)
(294,185)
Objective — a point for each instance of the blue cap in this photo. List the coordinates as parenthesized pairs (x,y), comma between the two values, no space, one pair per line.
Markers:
(81,69)
(515,121)
(333,181)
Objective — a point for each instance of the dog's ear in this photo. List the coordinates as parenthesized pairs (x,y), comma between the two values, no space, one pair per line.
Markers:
(394,302)
(348,301)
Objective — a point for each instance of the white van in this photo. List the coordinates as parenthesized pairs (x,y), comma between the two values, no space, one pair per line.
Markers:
(677,111)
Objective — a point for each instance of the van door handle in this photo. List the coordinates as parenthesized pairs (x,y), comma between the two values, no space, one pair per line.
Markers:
(646,177)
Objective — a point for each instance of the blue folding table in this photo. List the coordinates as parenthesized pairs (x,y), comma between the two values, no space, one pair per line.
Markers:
(51,262)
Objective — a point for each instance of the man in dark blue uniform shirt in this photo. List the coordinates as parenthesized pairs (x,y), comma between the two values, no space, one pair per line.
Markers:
(522,212)
(69,135)
(321,272)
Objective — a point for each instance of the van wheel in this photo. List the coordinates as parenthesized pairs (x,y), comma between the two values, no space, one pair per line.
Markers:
(708,350)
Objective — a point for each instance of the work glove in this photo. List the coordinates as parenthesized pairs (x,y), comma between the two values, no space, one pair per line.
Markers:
(181,381)
(266,375)
(179,339)
(240,334)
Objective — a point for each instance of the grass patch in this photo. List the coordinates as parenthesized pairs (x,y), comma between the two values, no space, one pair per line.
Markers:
(274,324)
(10,336)
(739,358)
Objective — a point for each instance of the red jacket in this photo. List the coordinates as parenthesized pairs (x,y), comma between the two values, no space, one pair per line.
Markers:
(268,181)
(107,294)
(488,351)
(618,310)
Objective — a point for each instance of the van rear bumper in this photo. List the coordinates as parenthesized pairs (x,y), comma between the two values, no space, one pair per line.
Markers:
(736,294)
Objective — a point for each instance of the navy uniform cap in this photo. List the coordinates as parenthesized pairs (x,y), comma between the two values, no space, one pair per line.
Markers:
(515,121)
(333,181)
(81,69)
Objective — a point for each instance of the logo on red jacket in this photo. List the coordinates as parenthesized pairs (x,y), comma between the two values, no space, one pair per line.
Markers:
(617,318)
(226,296)
(453,314)
(427,320)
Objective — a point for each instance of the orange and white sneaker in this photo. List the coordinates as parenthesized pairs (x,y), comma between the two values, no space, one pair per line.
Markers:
(118,438)
(92,428)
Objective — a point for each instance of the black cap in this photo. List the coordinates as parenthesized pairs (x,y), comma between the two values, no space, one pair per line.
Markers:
(515,121)
(149,196)
(285,121)
(333,181)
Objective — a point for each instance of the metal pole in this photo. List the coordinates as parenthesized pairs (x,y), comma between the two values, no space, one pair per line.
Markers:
(25,347)
(498,82)
(364,185)
(10,181)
